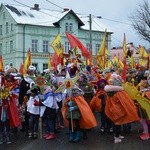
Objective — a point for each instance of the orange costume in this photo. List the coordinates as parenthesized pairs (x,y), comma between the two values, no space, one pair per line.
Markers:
(100,83)
(95,103)
(121,109)
(88,119)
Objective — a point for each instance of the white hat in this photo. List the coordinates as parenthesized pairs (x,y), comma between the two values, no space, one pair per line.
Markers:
(111,88)
(46,70)
(32,68)
(7,67)
(14,74)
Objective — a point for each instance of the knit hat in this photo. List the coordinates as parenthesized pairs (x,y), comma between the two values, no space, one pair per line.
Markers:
(35,90)
(77,91)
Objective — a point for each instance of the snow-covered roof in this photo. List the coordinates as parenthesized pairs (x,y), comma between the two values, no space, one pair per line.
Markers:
(96,24)
(26,15)
(46,17)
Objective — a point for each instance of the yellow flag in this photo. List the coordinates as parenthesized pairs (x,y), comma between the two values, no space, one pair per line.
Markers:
(56,45)
(117,62)
(124,47)
(102,48)
(131,61)
(142,52)
(101,62)
(103,53)
(143,56)
(49,61)
(108,63)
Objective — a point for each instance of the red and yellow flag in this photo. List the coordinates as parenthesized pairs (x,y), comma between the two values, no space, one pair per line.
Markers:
(1,64)
(21,68)
(27,62)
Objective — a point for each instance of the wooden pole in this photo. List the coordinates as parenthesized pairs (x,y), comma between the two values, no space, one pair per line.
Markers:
(70,94)
(72,123)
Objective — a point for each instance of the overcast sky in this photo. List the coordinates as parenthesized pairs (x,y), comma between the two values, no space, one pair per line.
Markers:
(115,15)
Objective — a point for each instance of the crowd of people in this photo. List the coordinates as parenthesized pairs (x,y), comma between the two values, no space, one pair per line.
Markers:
(60,99)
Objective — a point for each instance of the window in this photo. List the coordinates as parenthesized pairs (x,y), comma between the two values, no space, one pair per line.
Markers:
(11,46)
(97,48)
(87,35)
(45,46)
(45,66)
(11,27)
(7,50)
(4,17)
(34,46)
(67,47)
(6,27)
(35,65)
(70,27)
(1,48)
(11,65)
(88,46)
(66,27)
(1,30)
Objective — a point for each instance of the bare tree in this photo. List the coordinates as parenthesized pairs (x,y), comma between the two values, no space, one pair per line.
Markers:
(141,20)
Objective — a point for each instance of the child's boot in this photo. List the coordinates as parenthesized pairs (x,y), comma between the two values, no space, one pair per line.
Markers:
(71,136)
(8,138)
(77,137)
(144,136)
(1,138)
(117,140)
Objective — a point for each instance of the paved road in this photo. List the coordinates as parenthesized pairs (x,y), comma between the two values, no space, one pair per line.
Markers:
(94,142)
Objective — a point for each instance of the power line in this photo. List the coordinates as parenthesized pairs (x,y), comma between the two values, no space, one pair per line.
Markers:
(55,4)
(38,10)
(116,21)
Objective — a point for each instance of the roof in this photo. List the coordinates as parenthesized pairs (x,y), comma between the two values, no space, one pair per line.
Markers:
(46,17)
(42,17)
(96,24)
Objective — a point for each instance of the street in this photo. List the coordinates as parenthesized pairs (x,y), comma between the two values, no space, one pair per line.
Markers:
(93,142)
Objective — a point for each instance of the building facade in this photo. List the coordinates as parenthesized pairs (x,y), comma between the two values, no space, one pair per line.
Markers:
(23,28)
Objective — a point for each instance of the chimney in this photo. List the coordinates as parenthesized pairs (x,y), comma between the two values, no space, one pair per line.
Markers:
(36,7)
(66,9)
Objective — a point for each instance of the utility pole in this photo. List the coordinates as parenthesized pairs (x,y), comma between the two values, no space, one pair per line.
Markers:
(90,27)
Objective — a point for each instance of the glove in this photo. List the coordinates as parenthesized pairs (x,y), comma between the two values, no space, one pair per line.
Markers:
(71,109)
(69,103)
(36,103)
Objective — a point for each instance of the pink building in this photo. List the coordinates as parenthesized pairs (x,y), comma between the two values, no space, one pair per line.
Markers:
(118,51)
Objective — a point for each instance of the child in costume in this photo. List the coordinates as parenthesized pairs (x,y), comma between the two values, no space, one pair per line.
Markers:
(4,111)
(77,115)
(50,111)
(59,118)
(25,85)
(34,112)
(144,86)
(98,102)
(9,117)
(4,122)
(120,108)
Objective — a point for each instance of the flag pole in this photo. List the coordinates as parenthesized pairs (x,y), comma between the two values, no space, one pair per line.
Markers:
(70,93)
